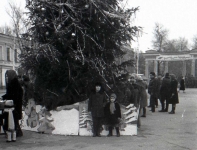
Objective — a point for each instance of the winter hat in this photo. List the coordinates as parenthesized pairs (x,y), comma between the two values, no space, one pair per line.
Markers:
(9,103)
(11,74)
(173,76)
(113,95)
(152,73)
(98,84)
(140,78)
(167,75)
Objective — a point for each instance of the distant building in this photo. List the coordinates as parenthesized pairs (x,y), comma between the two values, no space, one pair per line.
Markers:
(9,52)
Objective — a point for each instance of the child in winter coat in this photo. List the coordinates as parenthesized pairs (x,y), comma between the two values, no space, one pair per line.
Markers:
(10,116)
(113,114)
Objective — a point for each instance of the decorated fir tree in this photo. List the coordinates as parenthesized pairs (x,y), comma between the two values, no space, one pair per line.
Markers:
(73,43)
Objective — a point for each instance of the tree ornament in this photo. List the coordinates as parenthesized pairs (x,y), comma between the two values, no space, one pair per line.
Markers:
(86,6)
(59,26)
(112,23)
(47,33)
(45,20)
(73,34)
(43,9)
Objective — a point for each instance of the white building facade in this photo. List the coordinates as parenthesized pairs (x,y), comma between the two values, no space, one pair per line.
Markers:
(9,52)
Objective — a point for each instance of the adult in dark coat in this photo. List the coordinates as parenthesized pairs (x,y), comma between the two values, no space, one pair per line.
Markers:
(14,92)
(136,94)
(97,101)
(174,99)
(113,114)
(143,95)
(165,92)
(153,90)
(182,85)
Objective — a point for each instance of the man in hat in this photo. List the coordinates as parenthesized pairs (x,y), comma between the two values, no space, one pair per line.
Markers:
(165,92)
(153,90)
(97,101)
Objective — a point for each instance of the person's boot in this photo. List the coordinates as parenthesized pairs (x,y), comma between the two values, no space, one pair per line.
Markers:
(153,109)
(162,108)
(94,130)
(144,112)
(14,136)
(173,110)
(110,131)
(117,132)
(8,136)
(166,109)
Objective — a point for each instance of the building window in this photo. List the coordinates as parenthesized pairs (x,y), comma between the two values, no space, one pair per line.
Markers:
(15,56)
(8,54)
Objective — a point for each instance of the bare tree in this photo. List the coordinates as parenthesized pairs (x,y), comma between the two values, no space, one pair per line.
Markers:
(18,20)
(6,30)
(182,44)
(176,45)
(160,37)
(194,42)
(171,46)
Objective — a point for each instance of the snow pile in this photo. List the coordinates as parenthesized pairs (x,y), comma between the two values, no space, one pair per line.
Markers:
(66,122)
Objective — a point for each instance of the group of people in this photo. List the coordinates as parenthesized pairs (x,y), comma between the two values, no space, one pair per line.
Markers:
(101,105)
(164,89)
(134,89)
(107,108)
(14,100)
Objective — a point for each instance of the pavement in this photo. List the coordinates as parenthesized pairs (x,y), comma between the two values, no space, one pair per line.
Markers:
(159,131)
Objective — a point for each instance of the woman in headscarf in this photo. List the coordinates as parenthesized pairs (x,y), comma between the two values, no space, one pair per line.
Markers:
(174,99)
(14,92)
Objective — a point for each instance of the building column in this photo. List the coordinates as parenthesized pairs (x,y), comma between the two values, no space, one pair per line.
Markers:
(146,69)
(156,67)
(166,67)
(193,67)
(184,69)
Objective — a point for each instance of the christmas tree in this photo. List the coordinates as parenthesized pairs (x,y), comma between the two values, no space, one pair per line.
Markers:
(73,43)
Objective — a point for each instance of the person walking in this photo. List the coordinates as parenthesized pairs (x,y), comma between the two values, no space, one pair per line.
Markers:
(14,92)
(165,92)
(153,90)
(182,85)
(113,115)
(97,101)
(174,99)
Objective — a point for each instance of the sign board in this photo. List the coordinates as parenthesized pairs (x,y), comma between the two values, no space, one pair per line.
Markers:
(174,57)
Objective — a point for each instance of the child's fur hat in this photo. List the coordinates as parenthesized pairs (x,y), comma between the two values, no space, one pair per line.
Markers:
(113,95)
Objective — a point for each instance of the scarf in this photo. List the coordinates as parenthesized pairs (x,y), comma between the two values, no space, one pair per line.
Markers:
(11,125)
(112,107)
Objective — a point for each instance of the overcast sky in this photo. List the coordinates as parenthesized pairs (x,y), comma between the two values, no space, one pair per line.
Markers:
(178,16)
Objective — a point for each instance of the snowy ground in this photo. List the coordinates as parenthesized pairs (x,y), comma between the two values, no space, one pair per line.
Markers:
(67,122)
